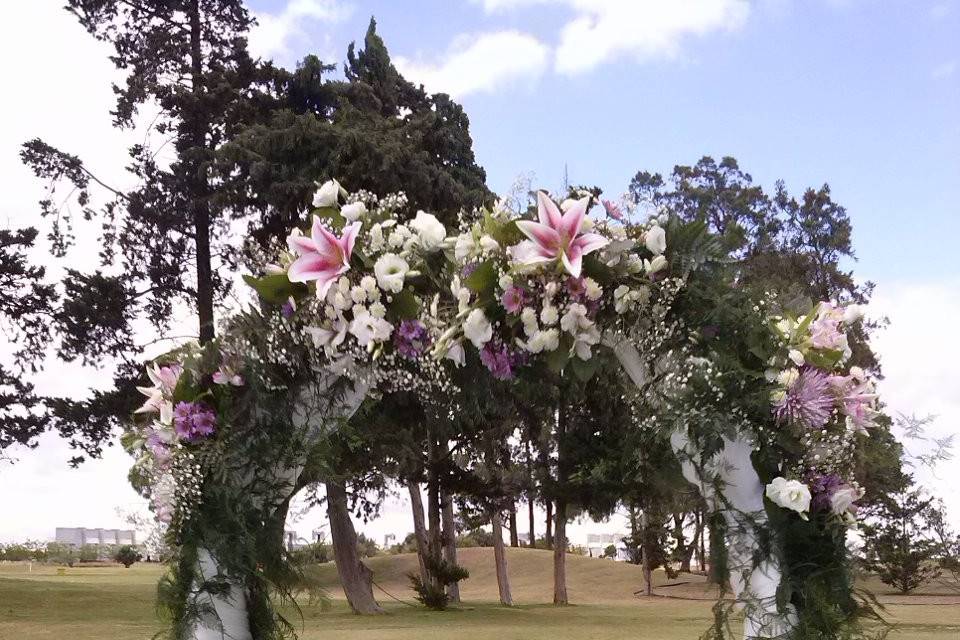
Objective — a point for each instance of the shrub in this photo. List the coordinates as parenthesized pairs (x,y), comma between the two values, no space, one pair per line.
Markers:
(433,594)
(126,555)
(60,553)
(315,553)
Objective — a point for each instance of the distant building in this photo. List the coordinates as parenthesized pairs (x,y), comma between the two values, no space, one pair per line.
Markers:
(597,544)
(79,536)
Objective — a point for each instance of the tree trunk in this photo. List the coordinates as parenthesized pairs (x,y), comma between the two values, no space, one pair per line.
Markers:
(702,524)
(645,559)
(560,555)
(201,207)
(450,542)
(549,534)
(419,529)
(530,514)
(356,579)
(500,558)
(514,534)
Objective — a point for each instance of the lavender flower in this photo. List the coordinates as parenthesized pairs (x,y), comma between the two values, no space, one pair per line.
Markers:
(411,339)
(498,359)
(194,420)
(808,402)
(823,487)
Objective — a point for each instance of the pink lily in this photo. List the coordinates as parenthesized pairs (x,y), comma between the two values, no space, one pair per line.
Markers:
(323,256)
(557,236)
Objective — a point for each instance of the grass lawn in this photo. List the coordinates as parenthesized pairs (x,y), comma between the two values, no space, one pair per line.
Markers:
(118,604)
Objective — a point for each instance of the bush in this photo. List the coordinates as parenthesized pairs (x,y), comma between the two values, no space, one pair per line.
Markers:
(60,553)
(475,538)
(315,553)
(433,594)
(16,553)
(126,555)
(367,547)
(89,553)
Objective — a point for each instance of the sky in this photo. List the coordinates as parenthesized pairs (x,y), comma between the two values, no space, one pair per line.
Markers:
(863,95)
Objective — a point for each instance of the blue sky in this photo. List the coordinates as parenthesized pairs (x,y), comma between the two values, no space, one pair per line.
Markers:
(862,95)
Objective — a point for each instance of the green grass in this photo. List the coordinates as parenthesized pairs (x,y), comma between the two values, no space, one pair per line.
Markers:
(118,604)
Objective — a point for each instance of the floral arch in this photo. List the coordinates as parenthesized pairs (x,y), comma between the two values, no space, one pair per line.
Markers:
(367,300)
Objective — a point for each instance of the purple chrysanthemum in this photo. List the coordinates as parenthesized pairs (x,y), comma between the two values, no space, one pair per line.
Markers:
(576,288)
(808,402)
(194,420)
(468,269)
(411,339)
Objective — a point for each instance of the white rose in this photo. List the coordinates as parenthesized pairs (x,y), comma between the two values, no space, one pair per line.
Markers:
(796,357)
(790,494)
(464,247)
(843,498)
(430,231)
(477,328)
(655,265)
(488,244)
(634,264)
(390,271)
(326,195)
(505,282)
(353,211)
(656,240)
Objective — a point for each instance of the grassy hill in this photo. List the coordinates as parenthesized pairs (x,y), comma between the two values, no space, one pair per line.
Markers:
(589,580)
(92,603)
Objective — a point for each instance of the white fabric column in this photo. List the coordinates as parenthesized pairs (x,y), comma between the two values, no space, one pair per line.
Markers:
(229,619)
(741,502)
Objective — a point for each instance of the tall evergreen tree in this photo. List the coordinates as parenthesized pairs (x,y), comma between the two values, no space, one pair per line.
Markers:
(161,243)
(26,303)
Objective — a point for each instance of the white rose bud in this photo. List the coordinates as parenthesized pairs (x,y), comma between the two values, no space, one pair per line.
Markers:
(656,240)
(796,357)
(353,211)
(326,195)
(430,231)
(790,494)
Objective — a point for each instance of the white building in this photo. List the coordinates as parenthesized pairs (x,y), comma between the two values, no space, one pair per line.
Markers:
(597,544)
(79,536)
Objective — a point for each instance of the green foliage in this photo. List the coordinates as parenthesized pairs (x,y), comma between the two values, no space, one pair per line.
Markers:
(90,553)
(432,593)
(127,555)
(900,545)
(610,551)
(313,553)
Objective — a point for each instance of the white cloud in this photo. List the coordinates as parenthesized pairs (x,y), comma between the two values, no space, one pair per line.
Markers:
(274,32)
(481,62)
(602,30)
(940,10)
(919,353)
(944,70)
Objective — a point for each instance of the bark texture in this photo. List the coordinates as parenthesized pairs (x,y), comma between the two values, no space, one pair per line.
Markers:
(560,555)
(419,529)
(450,542)
(500,558)
(356,579)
